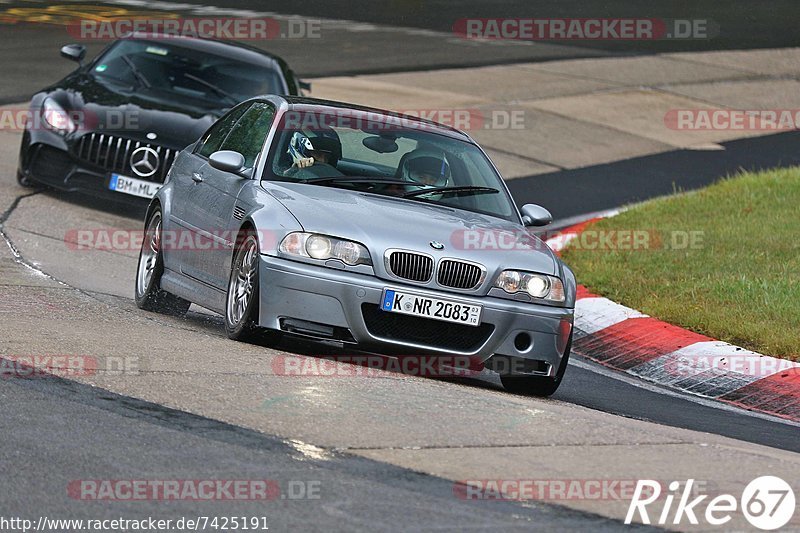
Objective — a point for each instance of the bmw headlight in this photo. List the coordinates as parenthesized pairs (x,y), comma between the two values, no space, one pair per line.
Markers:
(538,286)
(56,117)
(323,247)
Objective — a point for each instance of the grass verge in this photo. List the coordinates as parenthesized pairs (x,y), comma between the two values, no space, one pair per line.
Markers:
(723,261)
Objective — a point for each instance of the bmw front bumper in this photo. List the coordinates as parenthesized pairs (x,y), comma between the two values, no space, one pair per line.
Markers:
(346,304)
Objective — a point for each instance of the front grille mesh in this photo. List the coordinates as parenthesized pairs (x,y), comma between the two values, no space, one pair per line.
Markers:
(425,331)
(51,164)
(113,153)
(458,275)
(411,266)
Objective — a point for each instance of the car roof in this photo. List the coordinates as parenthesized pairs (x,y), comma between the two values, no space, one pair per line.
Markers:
(305,103)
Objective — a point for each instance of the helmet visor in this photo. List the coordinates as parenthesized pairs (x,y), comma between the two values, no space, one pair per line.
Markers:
(431,171)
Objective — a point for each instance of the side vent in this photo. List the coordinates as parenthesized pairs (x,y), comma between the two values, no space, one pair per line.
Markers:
(238,212)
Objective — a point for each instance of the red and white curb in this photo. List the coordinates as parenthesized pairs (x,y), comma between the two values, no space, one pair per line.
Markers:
(625,339)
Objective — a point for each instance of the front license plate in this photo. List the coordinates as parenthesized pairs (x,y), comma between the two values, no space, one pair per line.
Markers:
(448,311)
(133,186)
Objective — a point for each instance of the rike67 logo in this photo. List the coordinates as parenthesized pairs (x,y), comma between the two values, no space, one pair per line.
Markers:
(767,502)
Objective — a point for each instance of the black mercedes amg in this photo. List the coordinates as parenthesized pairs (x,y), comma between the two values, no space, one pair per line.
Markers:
(112,127)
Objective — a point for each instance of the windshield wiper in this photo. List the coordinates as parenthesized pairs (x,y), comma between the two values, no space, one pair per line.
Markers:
(218,90)
(136,72)
(466,190)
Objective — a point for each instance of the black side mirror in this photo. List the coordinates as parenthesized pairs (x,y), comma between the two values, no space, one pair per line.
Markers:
(74,52)
(227,161)
(535,215)
(304,85)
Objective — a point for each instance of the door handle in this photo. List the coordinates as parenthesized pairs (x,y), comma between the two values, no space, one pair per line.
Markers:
(197,178)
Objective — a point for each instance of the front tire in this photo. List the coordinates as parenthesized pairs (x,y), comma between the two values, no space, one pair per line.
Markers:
(149,294)
(242,301)
(25,181)
(538,385)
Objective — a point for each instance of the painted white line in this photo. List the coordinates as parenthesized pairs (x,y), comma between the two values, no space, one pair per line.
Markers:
(565,234)
(561,240)
(595,314)
(566,223)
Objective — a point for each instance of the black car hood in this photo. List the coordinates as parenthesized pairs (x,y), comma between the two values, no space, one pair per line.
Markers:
(107,108)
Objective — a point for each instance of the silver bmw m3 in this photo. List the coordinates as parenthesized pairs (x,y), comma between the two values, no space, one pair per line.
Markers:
(296,216)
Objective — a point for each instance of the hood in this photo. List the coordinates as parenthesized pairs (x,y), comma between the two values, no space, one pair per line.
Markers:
(106,108)
(382,222)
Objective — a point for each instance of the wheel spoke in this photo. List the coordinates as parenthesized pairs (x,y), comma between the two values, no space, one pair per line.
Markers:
(242,284)
(148,259)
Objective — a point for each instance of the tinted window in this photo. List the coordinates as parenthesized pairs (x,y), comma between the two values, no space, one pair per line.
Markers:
(390,147)
(197,77)
(216,134)
(248,135)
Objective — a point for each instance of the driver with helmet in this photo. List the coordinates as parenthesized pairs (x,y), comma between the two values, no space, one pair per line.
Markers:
(426,166)
(315,156)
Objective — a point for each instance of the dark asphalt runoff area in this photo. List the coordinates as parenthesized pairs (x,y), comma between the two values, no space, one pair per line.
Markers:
(60,432)
(741,24)
(369,39)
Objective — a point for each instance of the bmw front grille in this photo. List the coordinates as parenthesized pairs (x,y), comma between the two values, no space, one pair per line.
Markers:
(410,265)
(418,267)
(459,274)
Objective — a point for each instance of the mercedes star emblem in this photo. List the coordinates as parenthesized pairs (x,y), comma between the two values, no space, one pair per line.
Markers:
(144,161)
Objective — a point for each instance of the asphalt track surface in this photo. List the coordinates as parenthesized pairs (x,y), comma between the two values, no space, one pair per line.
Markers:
(66,426)
(402,35)
(55,430)
(742,24)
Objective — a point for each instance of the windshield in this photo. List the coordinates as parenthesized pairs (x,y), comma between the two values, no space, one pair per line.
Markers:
(390,156)
(186,73)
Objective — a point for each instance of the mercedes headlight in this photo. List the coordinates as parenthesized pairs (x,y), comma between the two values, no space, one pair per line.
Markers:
(537,286)
(56,117)
(323,247)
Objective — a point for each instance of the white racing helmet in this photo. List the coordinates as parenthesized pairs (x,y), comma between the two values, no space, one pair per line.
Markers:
(303,147)
(300,147)
(426,167)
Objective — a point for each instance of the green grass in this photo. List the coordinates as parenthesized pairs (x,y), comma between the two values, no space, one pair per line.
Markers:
(740,285)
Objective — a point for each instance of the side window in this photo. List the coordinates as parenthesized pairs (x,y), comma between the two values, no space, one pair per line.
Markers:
(214,137)
(248,135)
